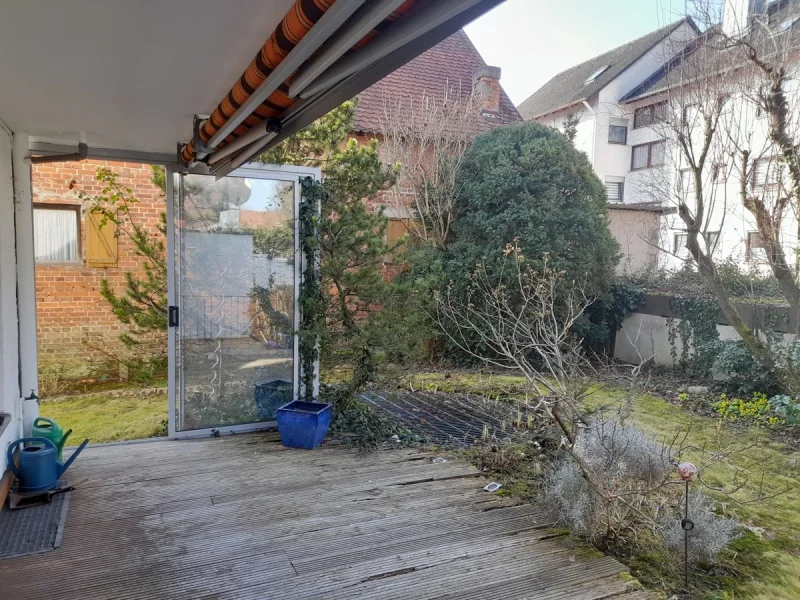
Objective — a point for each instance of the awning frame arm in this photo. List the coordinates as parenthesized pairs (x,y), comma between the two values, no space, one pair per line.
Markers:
(328,23)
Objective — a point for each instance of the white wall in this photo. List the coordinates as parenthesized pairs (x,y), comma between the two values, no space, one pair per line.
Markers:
(585,130)
(615,159)
(643,337)
(9,363)
(723,202)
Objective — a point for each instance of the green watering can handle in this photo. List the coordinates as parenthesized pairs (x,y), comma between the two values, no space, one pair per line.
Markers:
(46,420)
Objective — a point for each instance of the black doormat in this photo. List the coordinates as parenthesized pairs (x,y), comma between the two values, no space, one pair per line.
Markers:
(35,529)
(453,419)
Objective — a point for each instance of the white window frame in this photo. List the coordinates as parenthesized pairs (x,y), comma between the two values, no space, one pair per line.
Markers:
(74,209)
(679,243)
(619,183)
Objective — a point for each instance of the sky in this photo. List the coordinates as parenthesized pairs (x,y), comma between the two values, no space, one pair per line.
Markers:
(533,40)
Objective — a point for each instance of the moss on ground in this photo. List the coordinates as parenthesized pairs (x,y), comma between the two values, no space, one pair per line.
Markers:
(765,566)
(105,418)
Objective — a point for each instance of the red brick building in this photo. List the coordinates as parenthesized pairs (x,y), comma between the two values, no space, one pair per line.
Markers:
(73,255)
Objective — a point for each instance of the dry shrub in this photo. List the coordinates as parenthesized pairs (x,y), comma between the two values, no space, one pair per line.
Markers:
(636,472)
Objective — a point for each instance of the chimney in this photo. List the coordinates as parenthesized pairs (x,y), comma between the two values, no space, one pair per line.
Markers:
(486,86)
(737,16)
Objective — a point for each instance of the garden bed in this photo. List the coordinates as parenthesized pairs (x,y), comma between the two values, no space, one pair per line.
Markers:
(763,563)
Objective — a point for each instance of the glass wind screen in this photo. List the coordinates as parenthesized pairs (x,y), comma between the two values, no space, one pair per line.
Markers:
(236,289)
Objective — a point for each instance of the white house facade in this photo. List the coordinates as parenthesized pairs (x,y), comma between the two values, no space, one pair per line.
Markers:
(617,104)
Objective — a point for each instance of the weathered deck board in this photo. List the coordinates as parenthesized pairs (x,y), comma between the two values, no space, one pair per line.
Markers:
(243,517)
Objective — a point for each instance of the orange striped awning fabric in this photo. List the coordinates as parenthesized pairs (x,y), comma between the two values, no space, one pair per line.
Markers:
(294,26)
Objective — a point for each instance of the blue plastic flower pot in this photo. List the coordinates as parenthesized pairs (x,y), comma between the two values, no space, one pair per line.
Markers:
(304,424)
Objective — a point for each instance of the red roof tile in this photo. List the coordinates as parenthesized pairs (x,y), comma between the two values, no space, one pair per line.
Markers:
(448,65)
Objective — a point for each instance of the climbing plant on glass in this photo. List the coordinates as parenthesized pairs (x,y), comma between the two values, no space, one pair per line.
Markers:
(311,299)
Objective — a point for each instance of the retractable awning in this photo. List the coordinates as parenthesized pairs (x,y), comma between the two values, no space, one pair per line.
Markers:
(322,53)
(126,78)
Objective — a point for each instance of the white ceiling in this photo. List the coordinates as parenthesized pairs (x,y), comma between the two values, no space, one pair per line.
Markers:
(129,74)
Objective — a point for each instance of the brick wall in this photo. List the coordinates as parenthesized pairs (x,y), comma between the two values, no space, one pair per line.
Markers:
(73,320)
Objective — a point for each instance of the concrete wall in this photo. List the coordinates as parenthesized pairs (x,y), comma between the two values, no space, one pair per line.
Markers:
(645,333)
(644,336)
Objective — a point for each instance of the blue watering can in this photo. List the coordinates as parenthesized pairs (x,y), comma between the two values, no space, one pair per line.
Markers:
(39,469)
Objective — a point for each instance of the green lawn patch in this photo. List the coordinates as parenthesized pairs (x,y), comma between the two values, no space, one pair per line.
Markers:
(107,418)
(763,568)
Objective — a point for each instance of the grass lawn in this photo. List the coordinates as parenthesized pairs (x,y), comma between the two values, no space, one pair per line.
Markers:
(771,468)
(106,418)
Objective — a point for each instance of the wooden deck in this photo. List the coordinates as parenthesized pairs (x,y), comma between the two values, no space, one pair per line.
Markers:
(243,517)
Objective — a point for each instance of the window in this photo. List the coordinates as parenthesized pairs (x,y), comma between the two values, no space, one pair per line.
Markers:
(753,243)
(595,75)
(690,113)
(765,173)
(644,156)
(679,245)
(719,173)
(56,233)
(648,115)
(766,177)
(395,230)
(617,134)
(712,239)
(686,184)
(615,188)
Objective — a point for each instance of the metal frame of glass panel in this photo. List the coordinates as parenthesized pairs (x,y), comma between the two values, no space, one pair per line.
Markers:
(176,393)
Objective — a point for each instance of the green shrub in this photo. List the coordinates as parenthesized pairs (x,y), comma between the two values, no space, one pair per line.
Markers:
(527,182)
(366,428)
(739,371)
(756,409)
(527,185)
(787,408)
(606,314)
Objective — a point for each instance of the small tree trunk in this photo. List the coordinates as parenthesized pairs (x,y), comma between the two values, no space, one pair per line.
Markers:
(769,230)
(709,272)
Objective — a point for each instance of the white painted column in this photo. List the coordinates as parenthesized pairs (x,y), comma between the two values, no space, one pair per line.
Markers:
(9,340)
(26,282)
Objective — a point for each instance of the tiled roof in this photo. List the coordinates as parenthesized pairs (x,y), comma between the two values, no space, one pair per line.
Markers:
(712,52)
(448,65)
(570,86)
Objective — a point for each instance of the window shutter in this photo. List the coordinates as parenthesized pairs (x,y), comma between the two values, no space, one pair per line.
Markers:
(614,187)
(395,230)
(101,242)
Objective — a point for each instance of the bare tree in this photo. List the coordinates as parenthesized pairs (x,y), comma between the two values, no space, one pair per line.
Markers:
(427,137)
(727,107)
(522,320)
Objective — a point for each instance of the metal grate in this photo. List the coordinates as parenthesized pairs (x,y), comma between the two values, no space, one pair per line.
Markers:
(455,419)
(35,529)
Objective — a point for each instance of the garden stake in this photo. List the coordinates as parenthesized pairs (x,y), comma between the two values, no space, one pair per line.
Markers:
(686,472)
